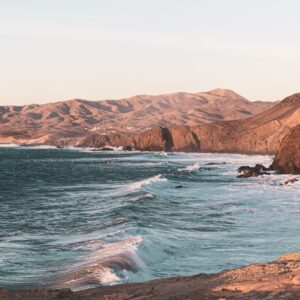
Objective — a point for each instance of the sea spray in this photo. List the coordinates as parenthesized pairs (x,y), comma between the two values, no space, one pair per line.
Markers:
(191,168)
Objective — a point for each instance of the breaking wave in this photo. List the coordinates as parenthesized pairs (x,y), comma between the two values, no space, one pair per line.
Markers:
(190,168)
(139,184)
(9,145)
(104,265)
(142,196)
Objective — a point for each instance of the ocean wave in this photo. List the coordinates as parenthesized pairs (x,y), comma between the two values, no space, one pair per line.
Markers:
(191,168)
(8,234)
(139,184)
(104,265)
(32,147)
(142,196)
(291,180)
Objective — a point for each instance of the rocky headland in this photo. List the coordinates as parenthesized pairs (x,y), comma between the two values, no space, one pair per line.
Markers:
(279,279)
(150,123)
(287,159)
(260,134)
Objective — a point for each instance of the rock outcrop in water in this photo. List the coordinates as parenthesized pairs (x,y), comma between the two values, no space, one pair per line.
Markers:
(258,170)
(260,134)
(287,159)
(279,279)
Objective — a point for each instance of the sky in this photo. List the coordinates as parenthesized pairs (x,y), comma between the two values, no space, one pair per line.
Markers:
(98,49)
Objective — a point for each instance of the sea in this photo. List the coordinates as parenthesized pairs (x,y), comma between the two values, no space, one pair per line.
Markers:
(76,218)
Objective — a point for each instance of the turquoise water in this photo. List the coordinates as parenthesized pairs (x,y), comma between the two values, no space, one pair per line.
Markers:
(78,219)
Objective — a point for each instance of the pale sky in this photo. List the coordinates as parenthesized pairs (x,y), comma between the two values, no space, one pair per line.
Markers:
(108,49)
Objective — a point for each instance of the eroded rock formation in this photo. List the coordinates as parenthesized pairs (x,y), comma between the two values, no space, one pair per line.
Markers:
(287,159)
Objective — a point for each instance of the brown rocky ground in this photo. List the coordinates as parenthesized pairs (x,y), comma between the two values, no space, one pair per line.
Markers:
(287,159)
(279,279)
(67,122)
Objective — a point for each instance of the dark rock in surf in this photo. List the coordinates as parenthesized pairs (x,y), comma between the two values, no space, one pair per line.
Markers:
(178,187)
(127,148)
(290,181)
(106,149)
(258,170)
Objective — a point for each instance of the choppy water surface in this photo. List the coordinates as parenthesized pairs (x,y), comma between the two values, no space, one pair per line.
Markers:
(78,219)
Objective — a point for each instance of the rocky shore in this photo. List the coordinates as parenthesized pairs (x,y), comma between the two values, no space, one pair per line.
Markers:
(279,279)
(287,159)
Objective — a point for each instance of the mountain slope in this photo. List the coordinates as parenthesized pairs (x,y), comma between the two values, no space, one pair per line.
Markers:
(69,121)
(261,133)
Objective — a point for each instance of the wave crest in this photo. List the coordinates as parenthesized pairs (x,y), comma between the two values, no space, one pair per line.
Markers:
(102,266)
(139,184)
(190,168)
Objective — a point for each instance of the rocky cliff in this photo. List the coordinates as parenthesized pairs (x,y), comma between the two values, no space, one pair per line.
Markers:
(261,133)
(287,159)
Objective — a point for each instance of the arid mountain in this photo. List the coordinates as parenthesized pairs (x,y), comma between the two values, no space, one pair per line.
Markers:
(69,121)
(261,133)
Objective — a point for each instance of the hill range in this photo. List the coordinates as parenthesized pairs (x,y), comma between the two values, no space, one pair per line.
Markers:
(68,122)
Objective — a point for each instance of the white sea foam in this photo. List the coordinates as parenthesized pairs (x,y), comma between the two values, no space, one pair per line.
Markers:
(143,196)
(120,148)
(139,184)
(191,168)
(9,145)
(164,153)
(106,276)
(38,147)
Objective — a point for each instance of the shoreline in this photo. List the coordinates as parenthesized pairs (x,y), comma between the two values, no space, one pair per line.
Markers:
(104,149)
(279,279)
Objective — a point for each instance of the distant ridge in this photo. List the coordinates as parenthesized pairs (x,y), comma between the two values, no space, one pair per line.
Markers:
(261,133)
(68,122)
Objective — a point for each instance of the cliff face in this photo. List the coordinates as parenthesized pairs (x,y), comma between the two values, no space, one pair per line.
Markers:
(259,134)
(176,138)
(287,159)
